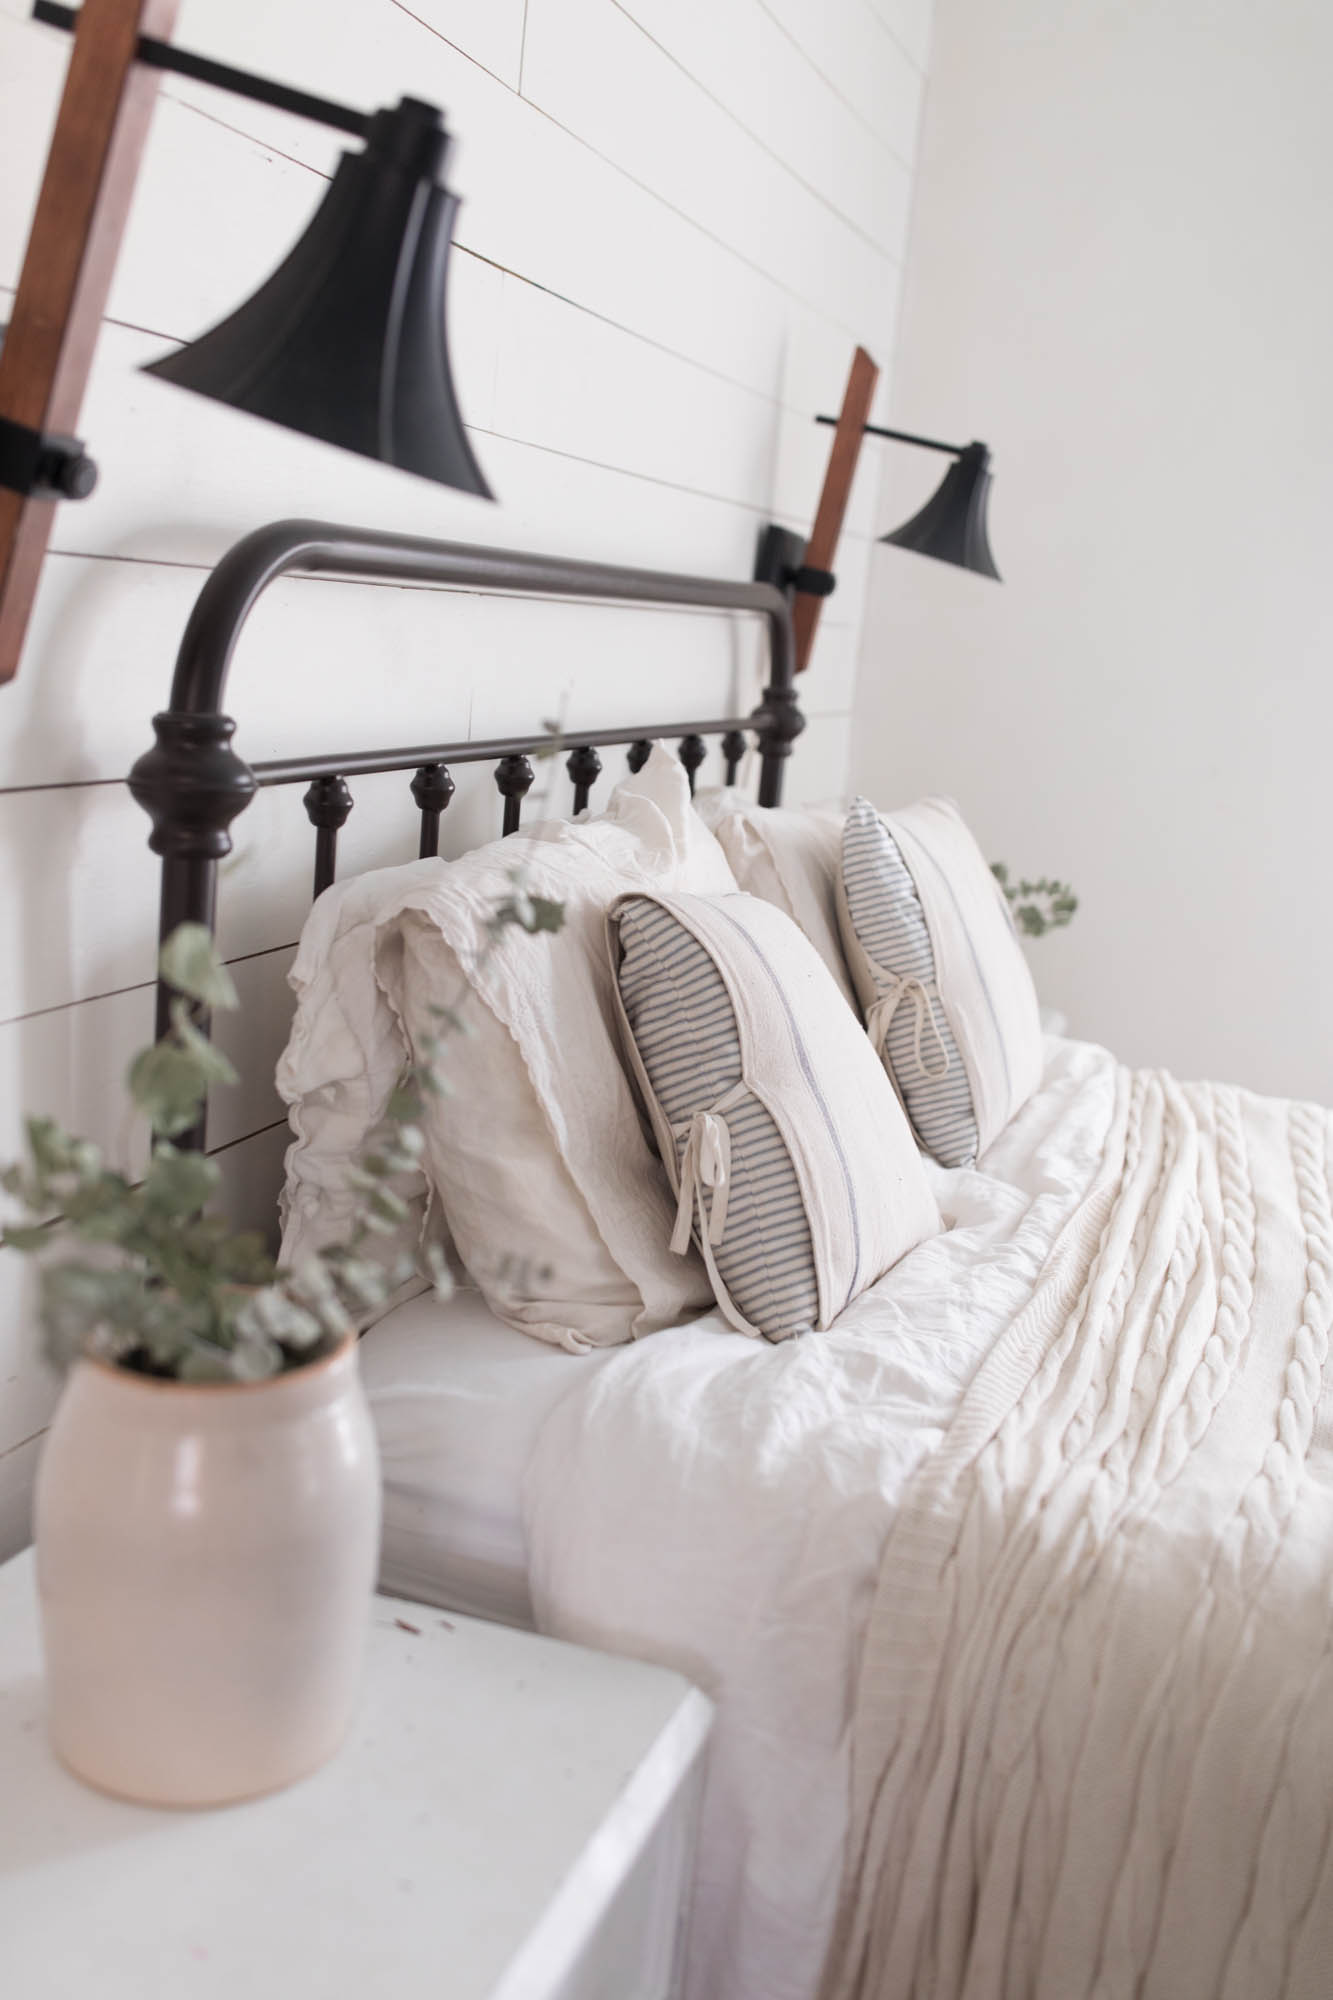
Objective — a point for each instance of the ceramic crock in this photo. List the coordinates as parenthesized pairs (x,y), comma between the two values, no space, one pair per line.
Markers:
(205,1560)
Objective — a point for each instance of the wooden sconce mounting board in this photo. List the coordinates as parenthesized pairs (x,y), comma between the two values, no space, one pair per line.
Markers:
(844,453)
(99,138)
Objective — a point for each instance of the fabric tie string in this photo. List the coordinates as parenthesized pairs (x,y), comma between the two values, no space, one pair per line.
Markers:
(882,1012)
(705,1186)
(705,1167)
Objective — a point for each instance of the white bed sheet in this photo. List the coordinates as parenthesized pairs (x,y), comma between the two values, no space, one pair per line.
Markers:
(458,1399)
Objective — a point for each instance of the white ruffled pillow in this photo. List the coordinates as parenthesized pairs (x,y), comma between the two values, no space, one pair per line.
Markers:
(558,1205)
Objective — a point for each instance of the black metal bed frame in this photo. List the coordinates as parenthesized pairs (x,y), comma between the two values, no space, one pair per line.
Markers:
(193,785)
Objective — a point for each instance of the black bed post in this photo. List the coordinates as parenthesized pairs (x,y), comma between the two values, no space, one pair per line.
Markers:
(192,785)
(777,720)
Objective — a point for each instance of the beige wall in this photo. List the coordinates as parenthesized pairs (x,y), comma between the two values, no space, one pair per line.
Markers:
(679,217)
(1119,276)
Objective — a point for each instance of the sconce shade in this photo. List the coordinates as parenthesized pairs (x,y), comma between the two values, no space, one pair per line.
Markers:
(346,340)
(952,524)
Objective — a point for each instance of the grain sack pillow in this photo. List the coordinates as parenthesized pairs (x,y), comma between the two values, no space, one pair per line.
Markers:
(790,856)
(793,1165)
(949,1002)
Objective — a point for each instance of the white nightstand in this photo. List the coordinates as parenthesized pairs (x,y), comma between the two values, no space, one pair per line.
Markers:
(510,1818)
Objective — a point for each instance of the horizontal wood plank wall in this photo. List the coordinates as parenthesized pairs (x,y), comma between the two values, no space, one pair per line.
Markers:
(679,218)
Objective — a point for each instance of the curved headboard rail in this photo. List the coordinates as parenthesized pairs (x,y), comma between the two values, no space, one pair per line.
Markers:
(320,548)
(192,784)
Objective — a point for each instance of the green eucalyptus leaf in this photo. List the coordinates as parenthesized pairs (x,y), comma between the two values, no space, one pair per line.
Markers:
(85,1158)
(49,1145)
(455,1019)
(437,1267)
(362,1281)
(547,914)
(76,1301)
(244,1259)
(201,1363)
(190,962)
(179,1184)
(255,1359)
(271,1315)
(529,913)
(209,1057)
(404,1104)
(168,1086)
(383,1202)
(314,1285)
(16,1237)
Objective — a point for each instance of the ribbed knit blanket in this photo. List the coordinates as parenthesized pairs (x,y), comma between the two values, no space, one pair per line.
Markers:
(1093,1742)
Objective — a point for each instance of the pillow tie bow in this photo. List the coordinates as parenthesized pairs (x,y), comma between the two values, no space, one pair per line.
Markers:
(705,1168)
(705,1186)
(882,1012)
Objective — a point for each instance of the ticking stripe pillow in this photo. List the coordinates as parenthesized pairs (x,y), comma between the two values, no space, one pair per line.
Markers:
(793,1166)
(948,998)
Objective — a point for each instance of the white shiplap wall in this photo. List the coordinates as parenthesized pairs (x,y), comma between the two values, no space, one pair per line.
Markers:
(679,216)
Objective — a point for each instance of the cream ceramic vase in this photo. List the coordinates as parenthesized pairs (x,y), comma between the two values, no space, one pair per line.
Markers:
(205,1561)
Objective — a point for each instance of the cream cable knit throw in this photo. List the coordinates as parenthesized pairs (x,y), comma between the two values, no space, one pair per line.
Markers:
(1093,1748)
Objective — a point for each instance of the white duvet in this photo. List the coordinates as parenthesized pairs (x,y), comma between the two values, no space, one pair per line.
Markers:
(1015,1589)
(722,1506)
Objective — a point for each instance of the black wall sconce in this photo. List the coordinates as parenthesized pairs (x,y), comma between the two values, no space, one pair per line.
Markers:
(344,342)
(951,526)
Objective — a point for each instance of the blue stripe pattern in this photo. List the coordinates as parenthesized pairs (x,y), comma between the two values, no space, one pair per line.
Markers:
(684,1027)
(891,929)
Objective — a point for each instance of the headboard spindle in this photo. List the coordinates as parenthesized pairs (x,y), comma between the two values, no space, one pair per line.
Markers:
(513,778)
(432,788)
(585,768)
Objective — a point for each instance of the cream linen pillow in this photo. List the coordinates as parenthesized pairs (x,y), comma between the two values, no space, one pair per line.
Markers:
(790,857)
(794,1166)
(556,1200)
(949,1000)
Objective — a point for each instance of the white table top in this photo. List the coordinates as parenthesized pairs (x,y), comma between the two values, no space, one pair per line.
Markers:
(493,1790)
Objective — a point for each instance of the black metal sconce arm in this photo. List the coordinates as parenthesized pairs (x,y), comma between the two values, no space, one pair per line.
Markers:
(904,437)
(240,82)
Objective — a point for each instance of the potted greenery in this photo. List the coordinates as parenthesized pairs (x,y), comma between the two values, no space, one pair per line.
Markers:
(207,1506)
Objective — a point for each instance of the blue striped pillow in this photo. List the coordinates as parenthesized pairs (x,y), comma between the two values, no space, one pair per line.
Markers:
(793,1165)
(948,998)
(905,1019)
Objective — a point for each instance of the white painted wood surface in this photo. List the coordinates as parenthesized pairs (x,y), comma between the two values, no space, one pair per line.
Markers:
(473,1837)
(678,219)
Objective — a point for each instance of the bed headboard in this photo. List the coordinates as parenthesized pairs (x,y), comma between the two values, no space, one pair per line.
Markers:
(192,784)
